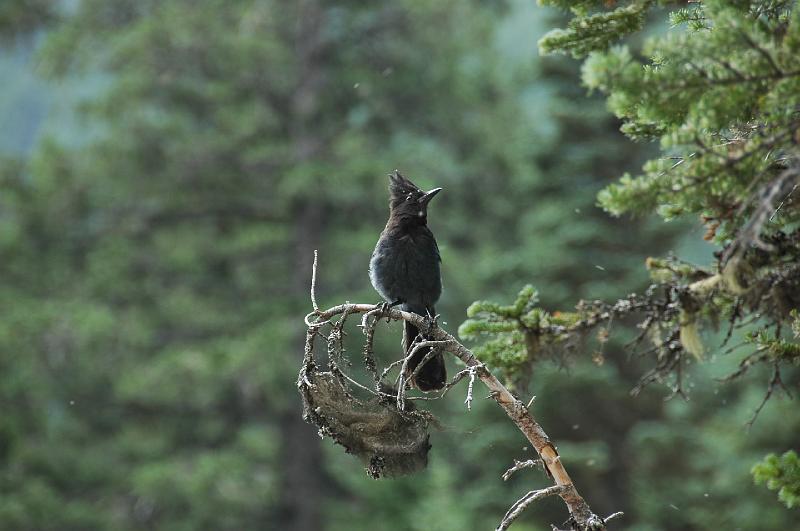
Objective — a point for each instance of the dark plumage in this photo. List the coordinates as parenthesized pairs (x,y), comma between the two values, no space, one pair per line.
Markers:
(404,269)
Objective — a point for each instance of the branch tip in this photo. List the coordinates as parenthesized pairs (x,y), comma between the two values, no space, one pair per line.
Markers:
(521,504)
(519,465)
(314,285)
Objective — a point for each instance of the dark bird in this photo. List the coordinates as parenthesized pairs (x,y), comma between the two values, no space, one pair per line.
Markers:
(404,269)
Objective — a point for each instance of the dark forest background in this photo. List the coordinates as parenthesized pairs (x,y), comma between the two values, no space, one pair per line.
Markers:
(168,169)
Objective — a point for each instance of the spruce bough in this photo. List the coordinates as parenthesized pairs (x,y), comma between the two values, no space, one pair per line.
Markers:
(719,90)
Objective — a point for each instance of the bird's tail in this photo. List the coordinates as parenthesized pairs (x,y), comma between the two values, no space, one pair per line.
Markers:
(432,375)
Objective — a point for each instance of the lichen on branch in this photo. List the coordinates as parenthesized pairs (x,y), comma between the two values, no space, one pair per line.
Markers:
(375,428)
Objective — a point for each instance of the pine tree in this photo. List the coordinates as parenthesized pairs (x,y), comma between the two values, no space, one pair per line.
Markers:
(719,90)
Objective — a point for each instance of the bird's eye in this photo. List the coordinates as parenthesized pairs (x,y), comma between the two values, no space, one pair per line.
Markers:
(410,197)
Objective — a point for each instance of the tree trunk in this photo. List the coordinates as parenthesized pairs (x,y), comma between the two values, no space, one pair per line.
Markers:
(303,481)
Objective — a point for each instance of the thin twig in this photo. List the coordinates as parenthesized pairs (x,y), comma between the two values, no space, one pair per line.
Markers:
(468,400)
(750,233)
(735,314)
(774,383)
(364,387)
(314,324)
(515,510)
(435,346)
(390,367)
(365,318)
(782,202)
(460,375)
(744,365)
(402,379)
(519,465)
(314,284)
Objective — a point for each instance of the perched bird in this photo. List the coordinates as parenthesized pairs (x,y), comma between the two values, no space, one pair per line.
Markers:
(404,270)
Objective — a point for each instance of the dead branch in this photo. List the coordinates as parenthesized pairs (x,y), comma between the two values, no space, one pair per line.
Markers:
(519,465)
(784,185)
(314,283)
(468,400)
(581,516)
(402,380)
(774,383)
(515,510)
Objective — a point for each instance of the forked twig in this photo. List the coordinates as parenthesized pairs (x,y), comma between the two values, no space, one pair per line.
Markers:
(402,380)
(774,382)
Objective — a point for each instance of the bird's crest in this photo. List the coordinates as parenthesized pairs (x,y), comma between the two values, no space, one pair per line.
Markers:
(399,186)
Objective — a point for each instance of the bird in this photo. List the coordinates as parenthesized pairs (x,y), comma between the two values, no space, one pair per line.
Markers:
(405,271)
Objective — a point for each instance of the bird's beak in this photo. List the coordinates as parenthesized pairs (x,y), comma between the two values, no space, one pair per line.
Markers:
(425,199)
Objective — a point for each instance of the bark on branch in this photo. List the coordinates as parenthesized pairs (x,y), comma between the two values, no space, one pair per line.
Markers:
(581,516)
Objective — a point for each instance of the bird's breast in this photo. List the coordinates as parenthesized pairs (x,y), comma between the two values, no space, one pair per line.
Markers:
(406,267)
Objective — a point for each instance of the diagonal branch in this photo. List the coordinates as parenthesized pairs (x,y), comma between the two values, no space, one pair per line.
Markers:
(581,516)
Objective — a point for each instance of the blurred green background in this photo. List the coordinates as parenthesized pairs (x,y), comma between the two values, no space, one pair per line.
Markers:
(169,167)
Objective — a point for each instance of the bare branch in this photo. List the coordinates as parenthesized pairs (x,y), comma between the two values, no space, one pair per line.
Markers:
(750,234)
(519,465)
(744,365)
(314,284)
(468,400)
(460,375)
(402,380)
(580,513)
(783,201)
(774,383)
(368,351)
(515,510)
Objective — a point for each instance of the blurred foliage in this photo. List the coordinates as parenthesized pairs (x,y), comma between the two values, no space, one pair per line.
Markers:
(781,474)
(21,17)
(156,256)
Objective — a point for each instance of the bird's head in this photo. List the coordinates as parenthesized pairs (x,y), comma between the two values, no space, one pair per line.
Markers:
(407,200)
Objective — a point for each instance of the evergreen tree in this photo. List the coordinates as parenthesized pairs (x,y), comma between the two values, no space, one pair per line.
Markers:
(719,91)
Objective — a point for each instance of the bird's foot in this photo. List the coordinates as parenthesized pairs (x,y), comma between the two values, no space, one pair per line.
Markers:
(431,323)
(386,306)
(384,311)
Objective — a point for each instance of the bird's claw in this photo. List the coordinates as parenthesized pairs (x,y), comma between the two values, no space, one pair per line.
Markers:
(386,306)
(383,311)
(431,322)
